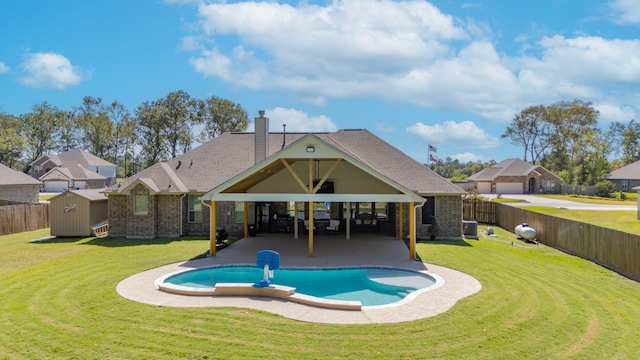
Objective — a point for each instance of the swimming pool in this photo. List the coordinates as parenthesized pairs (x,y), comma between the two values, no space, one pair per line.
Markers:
(366,286)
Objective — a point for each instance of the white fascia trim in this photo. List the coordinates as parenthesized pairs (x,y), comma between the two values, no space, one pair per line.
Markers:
(270,197)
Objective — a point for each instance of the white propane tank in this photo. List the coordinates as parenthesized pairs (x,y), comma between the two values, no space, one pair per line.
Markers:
(525,231)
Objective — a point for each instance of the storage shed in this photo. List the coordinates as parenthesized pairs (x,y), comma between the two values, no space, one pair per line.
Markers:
(79,213)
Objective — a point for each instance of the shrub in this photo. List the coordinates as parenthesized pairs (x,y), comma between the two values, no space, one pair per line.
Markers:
(605,188)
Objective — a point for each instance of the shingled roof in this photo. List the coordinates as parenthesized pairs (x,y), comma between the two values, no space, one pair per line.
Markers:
(629,172)
(10,177)
(76,156)
(226,156)
(507,167)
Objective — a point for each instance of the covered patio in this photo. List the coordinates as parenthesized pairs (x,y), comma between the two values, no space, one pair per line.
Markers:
(310,171)
(329,251)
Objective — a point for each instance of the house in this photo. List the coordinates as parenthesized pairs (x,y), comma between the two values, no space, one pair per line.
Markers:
(18,187)
(73,169)
(626,178)
(78,213)
(514,176)
(252,183)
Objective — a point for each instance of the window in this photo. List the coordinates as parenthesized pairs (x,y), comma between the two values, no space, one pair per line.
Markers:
(381,210)
(429,210)
(195,209)
(140,204)
(239,211)
(37,169)
(624,184)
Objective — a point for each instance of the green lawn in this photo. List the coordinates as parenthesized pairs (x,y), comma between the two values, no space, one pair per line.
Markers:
(622,220)
(631,199)
(58,301)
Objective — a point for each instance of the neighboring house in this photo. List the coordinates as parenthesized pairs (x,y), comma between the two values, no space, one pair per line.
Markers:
(270,177)
(514,176)
(625,178)
(19,187)
(73,169)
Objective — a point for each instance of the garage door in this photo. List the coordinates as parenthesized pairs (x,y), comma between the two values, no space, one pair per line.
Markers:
(56,186)
(484,187)
(508,188)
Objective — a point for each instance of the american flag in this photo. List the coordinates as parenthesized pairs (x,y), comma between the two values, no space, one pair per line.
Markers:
(433,148)
(433,158)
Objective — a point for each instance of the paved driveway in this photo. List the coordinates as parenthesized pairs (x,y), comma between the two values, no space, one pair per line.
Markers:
(532,200)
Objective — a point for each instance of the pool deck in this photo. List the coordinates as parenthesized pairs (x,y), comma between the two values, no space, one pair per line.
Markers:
(329,251)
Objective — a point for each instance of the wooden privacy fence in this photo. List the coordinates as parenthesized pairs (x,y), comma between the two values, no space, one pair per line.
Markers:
(617,250)
(482,211)
(26,217)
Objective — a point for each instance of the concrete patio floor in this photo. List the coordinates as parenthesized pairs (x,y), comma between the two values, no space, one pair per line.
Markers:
(329,251)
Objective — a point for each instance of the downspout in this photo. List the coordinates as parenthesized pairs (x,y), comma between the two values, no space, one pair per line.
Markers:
(412,231)
(212,243)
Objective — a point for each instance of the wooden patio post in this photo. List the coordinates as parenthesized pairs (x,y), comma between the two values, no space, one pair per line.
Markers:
(246,219)
(412,232)
(212,230)
(400,221)
(311,229)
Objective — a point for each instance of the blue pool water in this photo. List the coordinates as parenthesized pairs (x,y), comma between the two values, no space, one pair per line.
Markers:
(370,286)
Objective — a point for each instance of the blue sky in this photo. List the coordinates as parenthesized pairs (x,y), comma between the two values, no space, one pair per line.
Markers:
(447,73)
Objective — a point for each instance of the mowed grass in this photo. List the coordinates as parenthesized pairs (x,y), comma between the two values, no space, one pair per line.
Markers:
(630,199)
(58,301)
(623,220)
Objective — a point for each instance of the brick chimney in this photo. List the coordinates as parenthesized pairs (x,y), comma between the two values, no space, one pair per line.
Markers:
(261,137)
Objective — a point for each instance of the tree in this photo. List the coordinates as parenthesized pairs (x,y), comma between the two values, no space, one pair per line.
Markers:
(220,115)
(572,124)
(68,134)
(625,141)
(38,128)
(12,143)
(151,136)
(125,136)
(177,114)
(530,129)
(97,128)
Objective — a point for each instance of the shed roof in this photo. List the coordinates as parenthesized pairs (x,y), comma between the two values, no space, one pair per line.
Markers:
(89,194)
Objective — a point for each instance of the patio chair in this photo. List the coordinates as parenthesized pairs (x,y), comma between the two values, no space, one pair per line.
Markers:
(306,227)
(334,227)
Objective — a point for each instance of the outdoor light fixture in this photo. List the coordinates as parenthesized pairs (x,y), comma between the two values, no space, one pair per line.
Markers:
(311,149)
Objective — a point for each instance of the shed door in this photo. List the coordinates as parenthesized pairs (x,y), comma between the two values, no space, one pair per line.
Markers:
(509,188)
(56,186)
(484,187)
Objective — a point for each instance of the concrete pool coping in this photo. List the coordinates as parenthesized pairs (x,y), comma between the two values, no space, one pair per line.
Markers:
(372,250)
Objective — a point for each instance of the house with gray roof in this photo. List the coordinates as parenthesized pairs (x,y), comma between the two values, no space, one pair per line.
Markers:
(18,187)
(262,182)
(73,169)
(515,176)
(626,178)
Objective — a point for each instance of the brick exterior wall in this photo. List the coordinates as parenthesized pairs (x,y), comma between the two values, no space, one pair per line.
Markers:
(27,194)
(141,226)
(117,209)
(448,211)
(168,215)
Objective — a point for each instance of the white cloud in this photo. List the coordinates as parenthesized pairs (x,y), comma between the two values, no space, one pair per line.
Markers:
(405,52)
(462,135)
(50,70)
(625,11)
(3,68)
(384,128)
(298,121)
(466,157)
